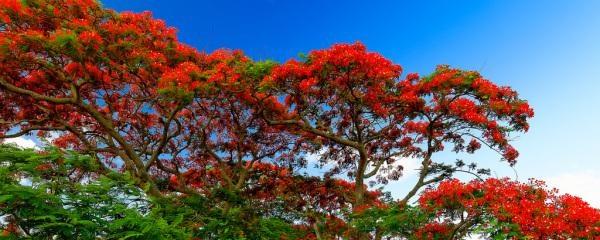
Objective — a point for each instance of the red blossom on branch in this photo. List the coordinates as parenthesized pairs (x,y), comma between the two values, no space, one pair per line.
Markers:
(537,212)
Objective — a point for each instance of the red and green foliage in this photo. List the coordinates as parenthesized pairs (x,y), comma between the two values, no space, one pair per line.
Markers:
(92,75)
(508,209)
(212,143)
(354,106)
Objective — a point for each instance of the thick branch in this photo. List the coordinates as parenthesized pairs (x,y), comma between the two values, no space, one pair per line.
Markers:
(30,129)
(321,133)
(164,138)
(34,95)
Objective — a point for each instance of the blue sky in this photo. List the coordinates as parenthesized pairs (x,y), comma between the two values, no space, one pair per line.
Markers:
(549,51)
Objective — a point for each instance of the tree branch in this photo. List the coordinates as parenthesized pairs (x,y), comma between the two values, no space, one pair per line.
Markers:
(34,95)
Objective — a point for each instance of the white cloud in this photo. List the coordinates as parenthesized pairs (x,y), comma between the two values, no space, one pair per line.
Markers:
(584,184)
(313,158)
(52,135)
(475,237)
(22,142)
(402,186)
(411,167)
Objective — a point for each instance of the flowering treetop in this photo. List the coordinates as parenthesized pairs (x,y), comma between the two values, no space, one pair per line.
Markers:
(221,136)
(508,209)
(91,75)
(354,104)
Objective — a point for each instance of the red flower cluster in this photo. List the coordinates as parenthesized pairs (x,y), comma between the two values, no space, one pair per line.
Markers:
(355,59)
(224,65)
(104,79)
(467,101)
(434,231)
(538,213)
(467,110)
(221,67)
(10,7)
(334,70)
(185,76)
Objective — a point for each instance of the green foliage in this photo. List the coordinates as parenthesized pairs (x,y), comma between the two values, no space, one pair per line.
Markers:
(392,221)
(67,42)
(55,194)
(234,217)
(258,70)
(497,230)
(61,194)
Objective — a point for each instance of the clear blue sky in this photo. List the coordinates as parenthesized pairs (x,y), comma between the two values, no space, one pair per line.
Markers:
(549,51)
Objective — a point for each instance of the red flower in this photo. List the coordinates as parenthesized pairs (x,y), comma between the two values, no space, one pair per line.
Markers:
(173,180)
(90,38)
(306,84)
(538,213)
(510,154)
(473,146)
(185,76)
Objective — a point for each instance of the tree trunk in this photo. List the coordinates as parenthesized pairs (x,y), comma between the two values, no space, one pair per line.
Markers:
(359,191)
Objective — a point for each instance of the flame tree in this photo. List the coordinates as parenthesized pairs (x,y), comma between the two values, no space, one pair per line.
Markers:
(216,139)
(363,117)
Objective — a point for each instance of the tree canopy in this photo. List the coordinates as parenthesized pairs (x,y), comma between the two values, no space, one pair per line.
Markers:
(148,138)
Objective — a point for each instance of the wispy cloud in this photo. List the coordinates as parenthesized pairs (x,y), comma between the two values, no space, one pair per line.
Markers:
(22,142)
(584,184)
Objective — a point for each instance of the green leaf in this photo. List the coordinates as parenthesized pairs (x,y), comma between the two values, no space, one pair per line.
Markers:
(131,234)
(4,198)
